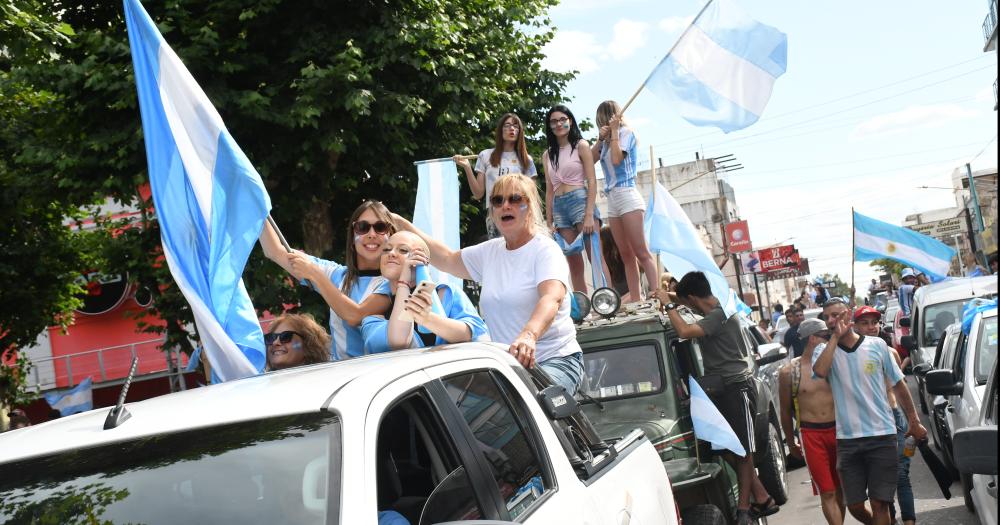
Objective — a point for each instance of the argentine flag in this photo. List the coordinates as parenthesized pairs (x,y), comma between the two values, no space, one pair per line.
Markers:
(874,239)
(77,399)
(670,234)
(709,425)
(210,201)
(436,209)
(722,69)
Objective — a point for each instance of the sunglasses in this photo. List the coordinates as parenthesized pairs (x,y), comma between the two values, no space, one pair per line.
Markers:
(558,121)
(498,200)
(285,337)
(824,335)
(362,227)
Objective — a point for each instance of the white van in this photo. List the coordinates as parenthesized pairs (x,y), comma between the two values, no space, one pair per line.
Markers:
(935,307)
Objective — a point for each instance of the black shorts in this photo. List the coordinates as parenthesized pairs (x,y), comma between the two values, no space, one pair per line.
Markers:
(738,404)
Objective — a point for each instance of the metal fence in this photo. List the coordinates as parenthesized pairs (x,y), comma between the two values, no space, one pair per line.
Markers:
(990,23)
(107,364)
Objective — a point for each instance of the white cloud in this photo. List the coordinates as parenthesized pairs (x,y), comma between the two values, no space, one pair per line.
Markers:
(985,95)
(675,24)
(572,50)
(909,119)
(629,36)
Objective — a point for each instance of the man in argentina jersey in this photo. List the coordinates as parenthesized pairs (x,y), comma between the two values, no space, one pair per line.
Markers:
(858,368)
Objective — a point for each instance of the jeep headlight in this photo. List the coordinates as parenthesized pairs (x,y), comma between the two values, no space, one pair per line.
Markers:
(605,301)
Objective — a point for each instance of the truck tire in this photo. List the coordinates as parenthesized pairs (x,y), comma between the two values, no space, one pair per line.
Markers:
(771,469)
(703,515)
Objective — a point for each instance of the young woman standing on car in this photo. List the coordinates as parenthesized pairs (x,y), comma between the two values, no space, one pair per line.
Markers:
(353,290)
(525,280)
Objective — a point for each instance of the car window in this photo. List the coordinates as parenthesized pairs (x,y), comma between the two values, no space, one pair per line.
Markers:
(986,350)
(937,317)
(273,470)
(625,371)
(503,437)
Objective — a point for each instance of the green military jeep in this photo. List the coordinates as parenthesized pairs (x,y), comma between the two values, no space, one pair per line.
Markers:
(636,371)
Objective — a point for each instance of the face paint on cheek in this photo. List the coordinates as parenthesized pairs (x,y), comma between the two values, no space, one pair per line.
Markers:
(524,207)
(296,345)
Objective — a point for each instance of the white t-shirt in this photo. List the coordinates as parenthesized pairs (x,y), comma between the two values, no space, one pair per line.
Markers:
(509,293)
(508,164)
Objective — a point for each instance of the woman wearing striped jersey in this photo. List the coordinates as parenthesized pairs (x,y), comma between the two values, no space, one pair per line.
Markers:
(353,290)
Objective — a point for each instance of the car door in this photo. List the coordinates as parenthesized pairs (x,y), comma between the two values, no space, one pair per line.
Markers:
(984,487)
(955,405)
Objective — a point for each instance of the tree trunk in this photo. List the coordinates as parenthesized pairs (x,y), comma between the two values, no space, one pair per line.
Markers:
(317,232)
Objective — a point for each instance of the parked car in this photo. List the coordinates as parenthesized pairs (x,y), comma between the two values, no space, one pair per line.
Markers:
(636,371)
(450,434)
(964,383)
(935,307)
(947,350)
(782,325)
(976,456)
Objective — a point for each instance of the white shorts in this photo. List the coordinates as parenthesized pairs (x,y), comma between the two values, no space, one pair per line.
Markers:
(622,200)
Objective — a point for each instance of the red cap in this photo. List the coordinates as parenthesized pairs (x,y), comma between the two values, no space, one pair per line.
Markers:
(866,310)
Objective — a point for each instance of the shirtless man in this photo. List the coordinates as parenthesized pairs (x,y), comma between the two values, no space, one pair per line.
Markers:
(810,401)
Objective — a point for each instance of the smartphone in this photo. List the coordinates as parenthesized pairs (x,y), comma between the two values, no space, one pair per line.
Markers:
(423,285)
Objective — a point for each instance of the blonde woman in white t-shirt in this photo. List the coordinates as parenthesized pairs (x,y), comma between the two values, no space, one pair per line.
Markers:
(508,155)
(525,282)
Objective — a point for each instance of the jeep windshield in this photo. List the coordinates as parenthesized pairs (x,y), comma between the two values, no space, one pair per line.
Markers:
(271,470)
(625,371)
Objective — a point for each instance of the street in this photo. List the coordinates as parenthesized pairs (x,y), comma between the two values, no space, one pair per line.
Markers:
(803,508)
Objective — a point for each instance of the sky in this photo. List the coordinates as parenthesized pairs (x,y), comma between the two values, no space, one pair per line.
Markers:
(879,99)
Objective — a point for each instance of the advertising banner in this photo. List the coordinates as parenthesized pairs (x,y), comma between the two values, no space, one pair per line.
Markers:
(738,237)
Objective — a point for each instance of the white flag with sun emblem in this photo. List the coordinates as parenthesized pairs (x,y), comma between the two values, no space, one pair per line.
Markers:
(874,239)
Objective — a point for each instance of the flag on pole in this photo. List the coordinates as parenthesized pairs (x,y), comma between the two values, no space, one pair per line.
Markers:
(436,209)
(722,69)
(210,201)
(709,425)
(78,399)
(671,235)
(874,239)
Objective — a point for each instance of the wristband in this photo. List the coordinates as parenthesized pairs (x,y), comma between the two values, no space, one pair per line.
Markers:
(670,306)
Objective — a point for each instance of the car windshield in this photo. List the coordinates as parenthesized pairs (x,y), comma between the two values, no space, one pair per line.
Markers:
(621,372)
(937,317)
(266,471)
(986,350)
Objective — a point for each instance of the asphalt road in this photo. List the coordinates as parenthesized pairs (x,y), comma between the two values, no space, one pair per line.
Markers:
(932,509)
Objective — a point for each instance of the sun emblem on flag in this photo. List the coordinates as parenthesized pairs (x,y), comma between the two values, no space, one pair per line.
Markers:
(891,247)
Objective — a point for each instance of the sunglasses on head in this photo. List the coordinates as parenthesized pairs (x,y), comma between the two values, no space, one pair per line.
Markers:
(362,227)
(498,200)
(285,337)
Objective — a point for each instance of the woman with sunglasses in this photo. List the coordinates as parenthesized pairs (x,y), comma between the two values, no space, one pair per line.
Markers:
(460,322)
(296,339)
(353,290)
(525,282)
(509,154)
(570,186)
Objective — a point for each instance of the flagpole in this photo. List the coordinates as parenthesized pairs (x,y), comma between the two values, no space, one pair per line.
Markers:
(659,263)
(853,255)
(281,237)
(688,28)
(466,157)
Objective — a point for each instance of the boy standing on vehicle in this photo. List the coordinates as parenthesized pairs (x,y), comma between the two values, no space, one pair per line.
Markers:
(721,343)
(858,368)
(810,400)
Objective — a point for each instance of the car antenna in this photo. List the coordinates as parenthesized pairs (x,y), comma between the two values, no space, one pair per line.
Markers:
(119,414)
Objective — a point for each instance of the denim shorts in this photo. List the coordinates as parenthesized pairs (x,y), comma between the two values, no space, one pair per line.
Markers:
(568,208)
(624,199)
(565,370)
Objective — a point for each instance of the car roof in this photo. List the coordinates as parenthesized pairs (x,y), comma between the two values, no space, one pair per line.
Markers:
(955,289)
(292,391)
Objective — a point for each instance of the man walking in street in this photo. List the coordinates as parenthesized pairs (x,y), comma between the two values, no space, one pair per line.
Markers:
(730,381)
(810,401)
(906,290)
(794,315)
(858,368)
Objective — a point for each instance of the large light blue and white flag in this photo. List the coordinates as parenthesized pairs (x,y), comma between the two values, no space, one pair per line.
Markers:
(210,201)
(77,399)
(874,239)
(436,210)
(709,425)
(671,235)
(722,69)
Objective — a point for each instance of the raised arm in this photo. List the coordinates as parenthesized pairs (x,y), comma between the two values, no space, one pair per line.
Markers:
(616,153)
(549,193)
(302,267)
(273,248)
(443,257)
(477,180)
(822,366)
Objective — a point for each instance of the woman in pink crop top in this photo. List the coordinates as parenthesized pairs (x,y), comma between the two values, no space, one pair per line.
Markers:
(570,186)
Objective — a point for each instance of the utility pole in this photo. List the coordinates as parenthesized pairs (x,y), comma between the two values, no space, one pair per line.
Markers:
(979,256)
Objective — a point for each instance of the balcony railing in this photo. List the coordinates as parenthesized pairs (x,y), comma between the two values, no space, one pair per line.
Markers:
(107,364)
(990,26)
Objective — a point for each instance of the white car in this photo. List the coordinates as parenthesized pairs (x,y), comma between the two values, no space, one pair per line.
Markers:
(448,434)
(964,384)
(976,456)
(782,325)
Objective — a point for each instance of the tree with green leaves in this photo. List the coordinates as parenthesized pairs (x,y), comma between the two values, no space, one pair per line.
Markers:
(332,101)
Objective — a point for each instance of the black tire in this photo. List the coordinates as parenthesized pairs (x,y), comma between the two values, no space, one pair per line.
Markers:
(771,469)
(923,403)
(703,515)
(967,492)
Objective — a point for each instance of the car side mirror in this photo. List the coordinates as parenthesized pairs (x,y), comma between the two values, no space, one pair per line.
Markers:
(975,450)
(772,357)
(922,369)
(942,383)
(909,343)
(557,403)
(904,322)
